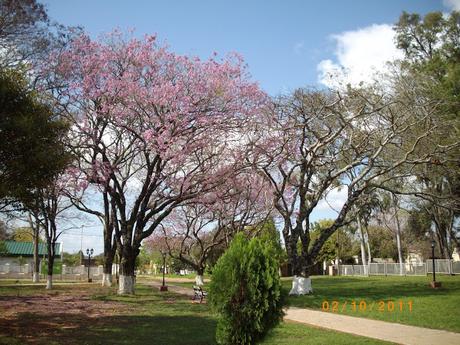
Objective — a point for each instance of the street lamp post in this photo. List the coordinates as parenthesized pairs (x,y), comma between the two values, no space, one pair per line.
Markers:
(163,287)
(434,283)
(89,252)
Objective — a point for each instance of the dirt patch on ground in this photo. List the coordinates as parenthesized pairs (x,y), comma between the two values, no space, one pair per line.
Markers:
(58,304)
(35,318)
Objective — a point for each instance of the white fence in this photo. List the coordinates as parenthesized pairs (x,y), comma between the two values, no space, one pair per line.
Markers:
(18,269)
(441,266)
(401,269)
(68,272)
(93,270)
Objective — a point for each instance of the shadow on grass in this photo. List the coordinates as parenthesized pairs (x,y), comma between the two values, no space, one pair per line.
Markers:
(27,328)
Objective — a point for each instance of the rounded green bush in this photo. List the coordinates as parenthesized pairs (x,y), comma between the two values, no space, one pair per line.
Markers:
(246,291)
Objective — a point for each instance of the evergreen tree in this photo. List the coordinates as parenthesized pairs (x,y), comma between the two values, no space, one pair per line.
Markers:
(246,291)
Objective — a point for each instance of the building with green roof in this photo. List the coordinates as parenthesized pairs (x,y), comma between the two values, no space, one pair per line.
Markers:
(13,252)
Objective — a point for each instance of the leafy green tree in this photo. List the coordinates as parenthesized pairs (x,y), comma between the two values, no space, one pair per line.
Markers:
(382,243)
(418,224)
(246,291)
(416,234)
(31,149)
(71,259)
(23,234)
(432,65)
(340,245)
(432,49)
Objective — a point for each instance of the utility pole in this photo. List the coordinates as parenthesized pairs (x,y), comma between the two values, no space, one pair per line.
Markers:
(81,238)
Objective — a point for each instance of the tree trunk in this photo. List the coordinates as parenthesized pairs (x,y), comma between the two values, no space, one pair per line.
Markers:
(301,282)
(107,273)
(49,280)
(398,236)
(199,277)
(291,247)
(199,280)
(369,256)
(126,280)
(36,259)
(107,279)
(440,230)
(362,246)
(301,286)
(36,271)
(110,243)
(400,257)
(293,256)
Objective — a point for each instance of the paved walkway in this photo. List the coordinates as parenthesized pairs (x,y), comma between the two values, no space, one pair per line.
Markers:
(388,331)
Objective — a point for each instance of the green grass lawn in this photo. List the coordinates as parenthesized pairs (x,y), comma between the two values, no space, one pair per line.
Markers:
(407,300)
(430,308)
(89,314)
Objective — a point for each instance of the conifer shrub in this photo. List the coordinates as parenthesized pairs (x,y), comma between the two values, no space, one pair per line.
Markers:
(246,292)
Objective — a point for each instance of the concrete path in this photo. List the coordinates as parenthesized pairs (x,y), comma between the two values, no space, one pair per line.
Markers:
(388,331)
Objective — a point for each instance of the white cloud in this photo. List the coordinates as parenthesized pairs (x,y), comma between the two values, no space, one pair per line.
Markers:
(452,4)
(359,55)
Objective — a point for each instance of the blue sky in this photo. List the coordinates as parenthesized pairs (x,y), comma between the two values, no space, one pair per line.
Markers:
(286,44)
(282,41)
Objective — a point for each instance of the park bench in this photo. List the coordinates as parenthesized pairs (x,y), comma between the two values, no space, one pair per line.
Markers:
(199,293)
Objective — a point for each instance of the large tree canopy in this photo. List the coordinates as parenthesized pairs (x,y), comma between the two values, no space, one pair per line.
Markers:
(432,63)
(315,142)
(152,129)
(31,150)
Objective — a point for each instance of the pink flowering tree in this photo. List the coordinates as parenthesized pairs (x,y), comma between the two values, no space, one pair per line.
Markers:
(152,129)
(194,230)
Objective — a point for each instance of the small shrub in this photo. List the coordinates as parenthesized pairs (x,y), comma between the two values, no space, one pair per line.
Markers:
(246,291)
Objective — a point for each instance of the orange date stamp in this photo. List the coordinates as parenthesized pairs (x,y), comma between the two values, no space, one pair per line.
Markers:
(365,306)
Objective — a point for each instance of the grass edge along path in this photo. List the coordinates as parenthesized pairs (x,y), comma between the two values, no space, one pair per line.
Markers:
(387,331)
(403,300)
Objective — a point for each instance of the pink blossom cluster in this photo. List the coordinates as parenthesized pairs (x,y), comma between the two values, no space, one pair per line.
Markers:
(173,106)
